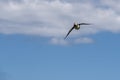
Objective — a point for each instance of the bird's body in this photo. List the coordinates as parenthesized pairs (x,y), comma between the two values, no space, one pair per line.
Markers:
(76,27)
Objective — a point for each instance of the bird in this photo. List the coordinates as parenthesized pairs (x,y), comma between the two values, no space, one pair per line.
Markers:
(76,26)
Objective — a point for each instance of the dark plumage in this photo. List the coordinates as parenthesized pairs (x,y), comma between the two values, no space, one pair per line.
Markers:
(77,27)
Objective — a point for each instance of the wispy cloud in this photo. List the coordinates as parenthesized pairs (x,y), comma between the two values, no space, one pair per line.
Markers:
(58,41)
(54,18)
(83,40)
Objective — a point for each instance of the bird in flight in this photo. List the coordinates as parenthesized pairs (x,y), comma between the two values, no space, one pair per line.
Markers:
(76,27)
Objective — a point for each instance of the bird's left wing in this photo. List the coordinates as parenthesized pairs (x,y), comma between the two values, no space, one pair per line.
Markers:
(69,32)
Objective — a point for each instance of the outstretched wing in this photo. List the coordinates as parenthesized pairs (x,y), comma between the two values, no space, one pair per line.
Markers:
(84,24)
(69,32)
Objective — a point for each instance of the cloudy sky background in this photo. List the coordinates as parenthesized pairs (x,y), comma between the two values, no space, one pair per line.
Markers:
(32,45)
(53,18)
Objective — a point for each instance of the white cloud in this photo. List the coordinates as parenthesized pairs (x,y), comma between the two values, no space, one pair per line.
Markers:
(58,41)
(54,18)
(83,40)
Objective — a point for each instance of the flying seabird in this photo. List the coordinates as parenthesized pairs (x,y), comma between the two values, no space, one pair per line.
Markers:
(76,27)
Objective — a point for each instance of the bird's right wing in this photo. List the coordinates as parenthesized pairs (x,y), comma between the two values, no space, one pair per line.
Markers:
(84,24)
(69,32)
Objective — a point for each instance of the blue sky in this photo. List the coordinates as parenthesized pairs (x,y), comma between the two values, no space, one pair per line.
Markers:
(32,45)
(25,57)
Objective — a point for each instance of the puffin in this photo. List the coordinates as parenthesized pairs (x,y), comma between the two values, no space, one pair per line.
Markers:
(76,26)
